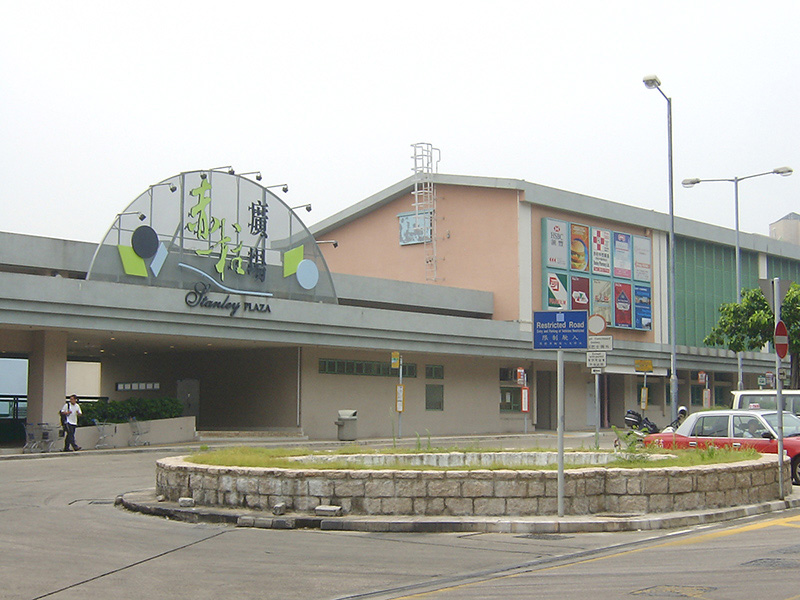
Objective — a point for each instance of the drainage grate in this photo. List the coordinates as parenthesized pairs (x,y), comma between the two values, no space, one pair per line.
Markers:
(545,536)
(772,563)
(674,591)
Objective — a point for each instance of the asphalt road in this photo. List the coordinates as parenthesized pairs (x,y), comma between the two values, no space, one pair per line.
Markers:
(61,537)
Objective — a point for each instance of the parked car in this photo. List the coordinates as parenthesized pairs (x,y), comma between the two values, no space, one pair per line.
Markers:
(755,429)
(766,400)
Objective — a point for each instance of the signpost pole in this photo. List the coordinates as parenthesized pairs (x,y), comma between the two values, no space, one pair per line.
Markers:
(400,414)
(597,411)
(557,331)
(560,427)
(776,300)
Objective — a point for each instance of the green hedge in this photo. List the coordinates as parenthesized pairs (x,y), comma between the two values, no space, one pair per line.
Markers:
(121,411)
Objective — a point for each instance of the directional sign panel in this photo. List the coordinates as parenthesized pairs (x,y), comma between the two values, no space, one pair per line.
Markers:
(595,359)
(560,330)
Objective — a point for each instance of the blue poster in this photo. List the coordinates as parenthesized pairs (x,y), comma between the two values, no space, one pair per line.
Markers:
(642,307)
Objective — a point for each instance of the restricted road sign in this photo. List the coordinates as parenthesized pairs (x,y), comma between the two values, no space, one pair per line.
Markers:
(781,339)
(558,330)
(595,359)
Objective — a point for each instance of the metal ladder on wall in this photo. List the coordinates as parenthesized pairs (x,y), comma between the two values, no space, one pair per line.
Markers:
(426,163)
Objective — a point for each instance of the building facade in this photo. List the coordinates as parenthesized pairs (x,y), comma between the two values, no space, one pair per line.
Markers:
(209,288)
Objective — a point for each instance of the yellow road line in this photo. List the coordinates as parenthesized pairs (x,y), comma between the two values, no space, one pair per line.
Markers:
(786,522)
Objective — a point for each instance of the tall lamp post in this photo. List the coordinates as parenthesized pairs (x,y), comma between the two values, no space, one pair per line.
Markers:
(687,183)
(653,82)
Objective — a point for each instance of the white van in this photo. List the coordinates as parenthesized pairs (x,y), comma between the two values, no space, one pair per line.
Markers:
(767,400)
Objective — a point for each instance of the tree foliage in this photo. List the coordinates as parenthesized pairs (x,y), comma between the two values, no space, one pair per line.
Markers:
(750,325)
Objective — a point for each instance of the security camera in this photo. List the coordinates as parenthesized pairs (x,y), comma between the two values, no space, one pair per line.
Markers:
(308,208)
(258,177)
(285,189)
(335,244)
(142,216)
(172,187)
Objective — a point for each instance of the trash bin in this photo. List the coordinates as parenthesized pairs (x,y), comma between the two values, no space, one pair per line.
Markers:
(347,425)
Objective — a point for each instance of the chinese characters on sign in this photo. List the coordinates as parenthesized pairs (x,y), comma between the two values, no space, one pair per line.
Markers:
(560,330)
(222,246)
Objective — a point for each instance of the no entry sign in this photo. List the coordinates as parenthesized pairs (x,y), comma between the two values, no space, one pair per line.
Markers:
(781,339)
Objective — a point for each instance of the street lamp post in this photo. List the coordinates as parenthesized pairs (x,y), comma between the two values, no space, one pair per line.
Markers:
(653,82)
(687,183)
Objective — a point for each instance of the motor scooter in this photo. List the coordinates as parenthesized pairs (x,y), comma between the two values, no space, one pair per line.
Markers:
(640,427)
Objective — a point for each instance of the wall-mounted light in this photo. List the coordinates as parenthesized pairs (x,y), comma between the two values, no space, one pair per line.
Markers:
(172,186)
(256,173)
(334,242)
(228,168)
(306,206)
(284,187)
(142,216)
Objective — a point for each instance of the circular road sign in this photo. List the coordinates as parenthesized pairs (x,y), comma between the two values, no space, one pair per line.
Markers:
(781,339)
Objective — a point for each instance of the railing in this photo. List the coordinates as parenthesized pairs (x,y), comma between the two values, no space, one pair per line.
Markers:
(13,407)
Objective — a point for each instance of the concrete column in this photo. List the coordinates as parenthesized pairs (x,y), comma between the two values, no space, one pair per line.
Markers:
(47,376)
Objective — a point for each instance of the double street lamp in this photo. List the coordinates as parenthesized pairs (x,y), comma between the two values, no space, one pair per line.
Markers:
(653,82)
(687,183)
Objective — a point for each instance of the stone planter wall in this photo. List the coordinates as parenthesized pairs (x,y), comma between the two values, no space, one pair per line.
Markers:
(476,492)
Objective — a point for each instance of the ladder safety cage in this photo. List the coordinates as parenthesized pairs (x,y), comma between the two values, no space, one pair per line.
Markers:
(426,164)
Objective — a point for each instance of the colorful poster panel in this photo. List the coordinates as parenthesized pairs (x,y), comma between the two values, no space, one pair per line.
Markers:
(601,299)
(622,255)
(642,258)
(557,292)
(579,247)
(556,235)
(643,311)
(579,287)
(622,304)
(601,251)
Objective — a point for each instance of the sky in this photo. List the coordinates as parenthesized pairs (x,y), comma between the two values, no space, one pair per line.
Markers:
(99,100)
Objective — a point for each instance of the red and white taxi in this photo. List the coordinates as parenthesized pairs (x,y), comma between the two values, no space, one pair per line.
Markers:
(755,429)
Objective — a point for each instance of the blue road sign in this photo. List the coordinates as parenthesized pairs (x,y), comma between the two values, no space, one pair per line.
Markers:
(563,329)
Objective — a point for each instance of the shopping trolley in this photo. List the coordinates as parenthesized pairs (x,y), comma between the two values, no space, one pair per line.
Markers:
(103,431)
(138,429)
(33,438)
(49,437)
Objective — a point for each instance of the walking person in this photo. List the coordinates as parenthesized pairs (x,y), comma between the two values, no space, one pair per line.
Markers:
(71,411)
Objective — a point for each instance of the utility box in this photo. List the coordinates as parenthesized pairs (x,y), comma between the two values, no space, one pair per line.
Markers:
(346,423)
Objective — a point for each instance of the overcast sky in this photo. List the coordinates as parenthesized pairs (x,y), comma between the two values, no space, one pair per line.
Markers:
(99,100)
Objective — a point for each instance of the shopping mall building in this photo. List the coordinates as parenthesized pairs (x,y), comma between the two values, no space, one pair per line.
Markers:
(208,287)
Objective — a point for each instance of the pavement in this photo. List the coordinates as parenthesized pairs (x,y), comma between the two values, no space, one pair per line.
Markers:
(146,501)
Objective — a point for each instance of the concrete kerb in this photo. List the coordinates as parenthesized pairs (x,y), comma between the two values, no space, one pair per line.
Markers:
(146,502)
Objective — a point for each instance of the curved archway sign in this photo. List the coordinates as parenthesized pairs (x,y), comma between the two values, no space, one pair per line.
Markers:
(214,232)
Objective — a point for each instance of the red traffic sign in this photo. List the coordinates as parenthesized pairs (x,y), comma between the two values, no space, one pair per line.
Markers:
(781,339)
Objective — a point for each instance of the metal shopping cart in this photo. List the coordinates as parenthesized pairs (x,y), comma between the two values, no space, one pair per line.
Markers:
(103,431)
(33,438)
(49,437)
(138,429)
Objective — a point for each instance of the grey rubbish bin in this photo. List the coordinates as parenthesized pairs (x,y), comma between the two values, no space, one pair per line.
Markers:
(347,425)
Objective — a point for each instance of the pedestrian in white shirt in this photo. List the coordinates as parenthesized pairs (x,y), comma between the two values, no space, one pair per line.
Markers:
(71,411)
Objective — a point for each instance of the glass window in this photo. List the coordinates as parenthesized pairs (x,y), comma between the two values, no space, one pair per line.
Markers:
(434,396)
(711,426)
(747,427)
(510,399)
(434,372)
